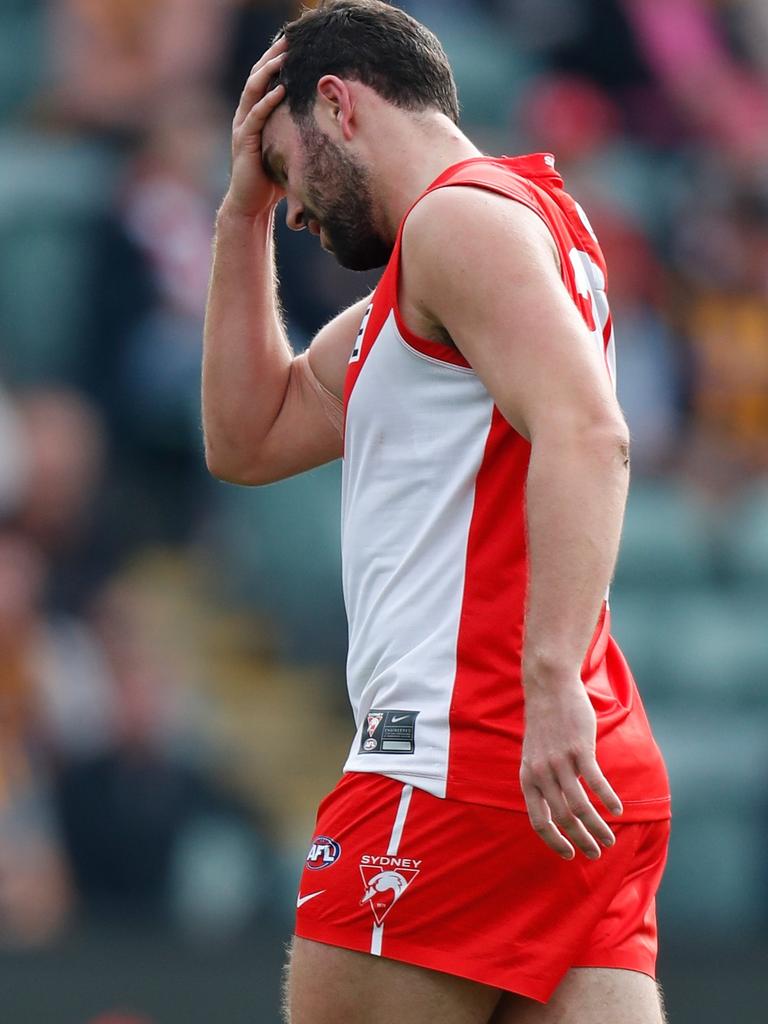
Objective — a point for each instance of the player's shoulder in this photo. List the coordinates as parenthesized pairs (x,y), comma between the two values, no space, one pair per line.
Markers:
(471,221)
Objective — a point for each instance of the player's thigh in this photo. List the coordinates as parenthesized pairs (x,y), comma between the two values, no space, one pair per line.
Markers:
(597,995)
(327,984)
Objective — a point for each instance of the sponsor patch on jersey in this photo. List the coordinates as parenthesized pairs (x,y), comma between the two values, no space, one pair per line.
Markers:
(389,732)
(323,852)
(385,880)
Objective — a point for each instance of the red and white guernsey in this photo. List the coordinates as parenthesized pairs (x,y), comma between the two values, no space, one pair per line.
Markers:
(435,561)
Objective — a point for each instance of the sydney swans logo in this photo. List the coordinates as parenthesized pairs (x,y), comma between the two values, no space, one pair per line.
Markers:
(385,880)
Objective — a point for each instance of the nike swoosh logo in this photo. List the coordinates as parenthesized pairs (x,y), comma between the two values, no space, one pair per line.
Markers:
(304,899)
(399,718)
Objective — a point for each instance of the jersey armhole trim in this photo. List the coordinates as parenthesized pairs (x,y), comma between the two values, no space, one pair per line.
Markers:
(437,360)
(439,351)
(434,351)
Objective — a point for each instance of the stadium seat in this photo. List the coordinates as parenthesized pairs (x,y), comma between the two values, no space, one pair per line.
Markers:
(634,625)
(45,251)
(714,872)
(715,648)
(486,64)
(666,541)
(706,645)
(745,543)
(21,46)
(282,548)
(717,854)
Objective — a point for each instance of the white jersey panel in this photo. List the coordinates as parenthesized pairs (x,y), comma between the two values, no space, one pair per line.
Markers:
(416,431)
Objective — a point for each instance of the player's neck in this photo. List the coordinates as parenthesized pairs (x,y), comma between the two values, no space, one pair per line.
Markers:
(409,159)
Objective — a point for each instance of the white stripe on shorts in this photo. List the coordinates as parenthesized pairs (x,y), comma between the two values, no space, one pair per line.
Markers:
(394,846)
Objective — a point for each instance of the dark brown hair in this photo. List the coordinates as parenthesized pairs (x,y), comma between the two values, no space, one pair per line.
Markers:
(371,42)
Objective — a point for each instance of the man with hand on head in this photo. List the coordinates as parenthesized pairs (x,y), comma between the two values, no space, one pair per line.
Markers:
(493,849)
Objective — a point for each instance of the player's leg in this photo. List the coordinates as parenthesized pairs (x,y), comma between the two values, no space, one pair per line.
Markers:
(590,995)
(327,984)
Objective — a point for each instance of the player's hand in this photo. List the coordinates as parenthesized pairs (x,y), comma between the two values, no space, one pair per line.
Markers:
(251,192)
(559,751)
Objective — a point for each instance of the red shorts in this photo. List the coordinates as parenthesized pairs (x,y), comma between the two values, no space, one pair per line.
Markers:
(472,891)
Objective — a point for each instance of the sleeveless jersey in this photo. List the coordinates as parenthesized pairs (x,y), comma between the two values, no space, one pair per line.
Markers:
(435,562)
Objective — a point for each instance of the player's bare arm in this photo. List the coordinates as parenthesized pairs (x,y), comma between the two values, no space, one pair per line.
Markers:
(500,298)
(266,414)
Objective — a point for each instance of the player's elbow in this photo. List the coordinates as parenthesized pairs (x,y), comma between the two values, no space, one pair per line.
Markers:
(223,469)
(600,435)
(609,435)
(231,467)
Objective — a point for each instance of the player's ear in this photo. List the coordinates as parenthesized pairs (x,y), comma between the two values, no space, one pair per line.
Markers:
(335,105)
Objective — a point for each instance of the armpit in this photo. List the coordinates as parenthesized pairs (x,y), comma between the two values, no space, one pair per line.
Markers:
(331,405)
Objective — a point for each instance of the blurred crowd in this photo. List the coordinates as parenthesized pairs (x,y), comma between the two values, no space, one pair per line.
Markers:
(164,639)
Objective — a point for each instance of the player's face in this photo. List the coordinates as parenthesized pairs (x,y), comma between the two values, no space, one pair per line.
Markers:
(328,190)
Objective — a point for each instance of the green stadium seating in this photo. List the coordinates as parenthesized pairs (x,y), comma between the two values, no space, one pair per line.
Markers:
(50,194)
(745,542)
(282,549)
(706,645)
(667,540)
(21,58)
(716,864)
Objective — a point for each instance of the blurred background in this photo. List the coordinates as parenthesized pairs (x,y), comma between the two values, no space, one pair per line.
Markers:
(172,701)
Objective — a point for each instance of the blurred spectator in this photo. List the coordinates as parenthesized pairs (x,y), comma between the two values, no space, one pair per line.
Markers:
(13,456)
(750,19)
(22,576)
(137,51)
(150,273)
(34,889)
(65,461)
(167,210)
(721,99)
(152,779)
(651,359)
(722,255)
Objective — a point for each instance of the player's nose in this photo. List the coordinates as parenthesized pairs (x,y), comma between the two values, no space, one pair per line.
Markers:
(294,216)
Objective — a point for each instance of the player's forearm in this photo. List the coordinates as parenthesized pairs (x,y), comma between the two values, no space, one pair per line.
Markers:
(246,355)
(576,493)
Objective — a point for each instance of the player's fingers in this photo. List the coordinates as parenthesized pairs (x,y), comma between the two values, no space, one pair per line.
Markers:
(279,46)
(566,822)
(254,120)
(255,87)
(589,770)
(543,825)
(580,807)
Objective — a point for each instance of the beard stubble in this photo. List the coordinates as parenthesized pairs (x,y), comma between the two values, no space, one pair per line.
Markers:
(340,199)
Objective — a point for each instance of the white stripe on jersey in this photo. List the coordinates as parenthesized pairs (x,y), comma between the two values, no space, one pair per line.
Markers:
(416,434)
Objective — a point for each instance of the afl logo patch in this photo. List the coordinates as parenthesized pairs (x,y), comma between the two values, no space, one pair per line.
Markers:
(322,853)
